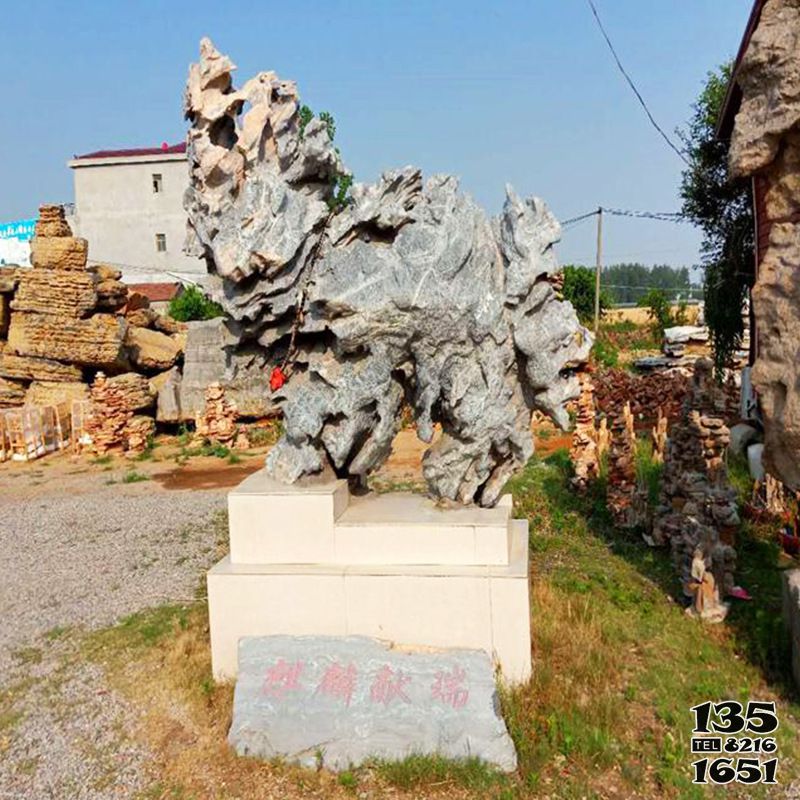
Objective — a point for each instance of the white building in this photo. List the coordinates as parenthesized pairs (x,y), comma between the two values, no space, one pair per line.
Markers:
(129,206)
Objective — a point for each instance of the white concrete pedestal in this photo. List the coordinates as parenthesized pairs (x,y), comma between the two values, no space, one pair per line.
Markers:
(311,559)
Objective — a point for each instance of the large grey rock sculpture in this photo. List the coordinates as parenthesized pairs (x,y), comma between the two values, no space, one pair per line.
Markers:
(407,293)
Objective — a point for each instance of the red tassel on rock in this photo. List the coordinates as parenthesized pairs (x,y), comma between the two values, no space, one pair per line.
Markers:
(276,379)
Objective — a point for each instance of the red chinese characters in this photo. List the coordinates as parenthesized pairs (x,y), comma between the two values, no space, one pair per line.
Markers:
(338,681)
(389,685)
(448,688)
(281,678)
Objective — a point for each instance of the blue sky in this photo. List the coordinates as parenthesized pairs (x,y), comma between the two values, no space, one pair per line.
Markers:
(494,92)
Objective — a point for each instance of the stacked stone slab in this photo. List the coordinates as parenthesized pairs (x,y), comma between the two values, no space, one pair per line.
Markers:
(217,423)
(697,505)
(622,469)
(584,451)
(114,423)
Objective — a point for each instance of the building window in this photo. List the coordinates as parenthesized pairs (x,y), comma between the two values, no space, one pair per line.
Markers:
(157,183)
(161,242)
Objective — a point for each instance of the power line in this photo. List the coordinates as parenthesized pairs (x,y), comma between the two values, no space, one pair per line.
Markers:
(633,85)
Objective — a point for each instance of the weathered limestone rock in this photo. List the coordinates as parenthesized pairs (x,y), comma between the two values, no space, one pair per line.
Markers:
(141,317)
(791,616)
(697,503)
(622,469)
(151,350)
(25,368)
(210,356)
(769,76)
(51,222)
(111,294)
(583,452)
(134,391)
(66,252)
(167,386)
(218,420)
(94,342)
(12,393)
(336,702)
(53,393)
(776,299)
(407,293)
(167,325)
(45,291)
(766,144)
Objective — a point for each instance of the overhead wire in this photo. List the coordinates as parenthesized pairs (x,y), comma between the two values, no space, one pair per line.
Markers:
(638,94)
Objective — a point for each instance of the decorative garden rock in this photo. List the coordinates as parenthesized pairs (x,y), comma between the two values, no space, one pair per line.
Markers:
(405,293)
(340,701)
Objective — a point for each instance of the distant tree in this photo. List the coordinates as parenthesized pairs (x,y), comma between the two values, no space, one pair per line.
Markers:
(628,283)
(192,304)
(723,209)
(579,290)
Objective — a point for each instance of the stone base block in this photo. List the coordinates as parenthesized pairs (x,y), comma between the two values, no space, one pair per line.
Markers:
(446,605)
(317,522)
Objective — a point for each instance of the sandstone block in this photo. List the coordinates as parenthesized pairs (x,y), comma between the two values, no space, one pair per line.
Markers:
(52,222)
(94,342)
(42,291)
(151,350)
(111,294)
(66,252)
(27,368)
(12,393)
(53,393)
(134,391)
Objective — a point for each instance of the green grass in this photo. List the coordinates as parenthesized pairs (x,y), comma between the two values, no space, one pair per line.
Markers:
(132,476)
(418,771)
(101,460)
(617,664)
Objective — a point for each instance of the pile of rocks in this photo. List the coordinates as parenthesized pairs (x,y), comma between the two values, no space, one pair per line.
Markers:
(697,506)
(622,469)
(645,393)
(113,423)
(65,325)
(584,451)
(66,320)
(217,423)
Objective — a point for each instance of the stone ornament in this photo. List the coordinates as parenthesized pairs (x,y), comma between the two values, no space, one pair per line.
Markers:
(339,701)
(405,295)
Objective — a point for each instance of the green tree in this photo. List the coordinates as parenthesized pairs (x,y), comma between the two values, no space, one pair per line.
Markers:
(192,304)
(579,290)
(723,209)
(659,311)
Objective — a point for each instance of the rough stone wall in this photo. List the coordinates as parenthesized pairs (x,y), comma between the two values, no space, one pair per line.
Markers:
(407,292)
(766,142)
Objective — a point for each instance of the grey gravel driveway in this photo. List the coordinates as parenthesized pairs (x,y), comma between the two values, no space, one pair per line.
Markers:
(80,550)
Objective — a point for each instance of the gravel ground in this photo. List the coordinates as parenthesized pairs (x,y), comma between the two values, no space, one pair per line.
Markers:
(77,551)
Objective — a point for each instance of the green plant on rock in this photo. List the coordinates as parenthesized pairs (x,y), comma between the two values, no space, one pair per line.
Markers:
(192,304)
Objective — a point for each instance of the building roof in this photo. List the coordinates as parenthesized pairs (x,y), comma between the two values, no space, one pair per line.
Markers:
(733,98)
(165,149)
(156,292)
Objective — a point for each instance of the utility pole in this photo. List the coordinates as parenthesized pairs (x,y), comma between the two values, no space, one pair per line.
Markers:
(598,269)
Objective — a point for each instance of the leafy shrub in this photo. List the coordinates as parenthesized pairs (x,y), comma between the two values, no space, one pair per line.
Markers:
(604,353)
(579,290)
(192,304)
